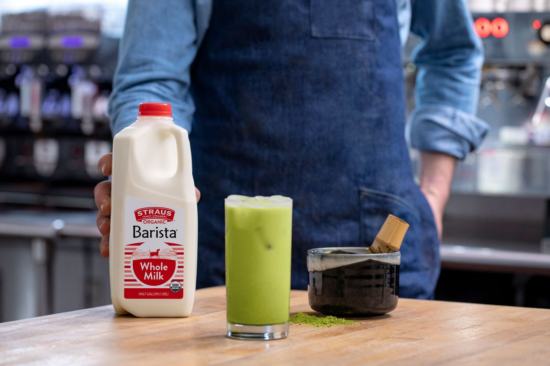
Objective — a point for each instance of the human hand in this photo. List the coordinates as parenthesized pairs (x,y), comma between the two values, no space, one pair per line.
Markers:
(437,204)
(102,195)
(436,176)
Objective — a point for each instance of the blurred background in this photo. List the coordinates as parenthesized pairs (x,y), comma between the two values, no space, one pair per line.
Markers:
(57,60)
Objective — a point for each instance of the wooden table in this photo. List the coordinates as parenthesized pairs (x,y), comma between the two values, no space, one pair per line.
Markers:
(417,332)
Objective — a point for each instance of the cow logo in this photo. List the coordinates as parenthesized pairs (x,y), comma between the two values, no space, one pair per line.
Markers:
(175,286)
(154,215)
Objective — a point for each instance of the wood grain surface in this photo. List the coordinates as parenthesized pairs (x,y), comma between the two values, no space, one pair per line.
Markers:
(416,333)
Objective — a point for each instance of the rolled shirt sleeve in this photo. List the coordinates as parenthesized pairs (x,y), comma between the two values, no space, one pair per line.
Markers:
(449,59)
(159,44)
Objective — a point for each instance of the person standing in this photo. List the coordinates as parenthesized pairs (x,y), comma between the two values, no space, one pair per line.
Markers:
(304,98)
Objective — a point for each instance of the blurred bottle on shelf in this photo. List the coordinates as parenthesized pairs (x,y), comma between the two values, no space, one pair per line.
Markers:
(55,81)
(22,41)
(9,98)
(56,107)
(46,156)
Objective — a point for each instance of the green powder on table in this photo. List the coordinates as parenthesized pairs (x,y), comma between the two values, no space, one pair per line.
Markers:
(316,321)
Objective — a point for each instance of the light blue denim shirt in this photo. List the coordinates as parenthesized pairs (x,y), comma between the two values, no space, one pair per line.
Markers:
(157,51)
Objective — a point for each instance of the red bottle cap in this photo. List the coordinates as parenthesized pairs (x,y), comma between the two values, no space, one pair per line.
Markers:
(155,109)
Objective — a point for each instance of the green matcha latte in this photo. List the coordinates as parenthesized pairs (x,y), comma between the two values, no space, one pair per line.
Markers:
(258,239)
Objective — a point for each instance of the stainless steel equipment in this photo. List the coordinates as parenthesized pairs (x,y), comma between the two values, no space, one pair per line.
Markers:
(501,193)
(514,158)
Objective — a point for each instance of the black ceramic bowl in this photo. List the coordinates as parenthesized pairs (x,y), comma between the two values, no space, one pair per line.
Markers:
(347,281)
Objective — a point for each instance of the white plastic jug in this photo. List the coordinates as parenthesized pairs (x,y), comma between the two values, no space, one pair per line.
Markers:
(153,243)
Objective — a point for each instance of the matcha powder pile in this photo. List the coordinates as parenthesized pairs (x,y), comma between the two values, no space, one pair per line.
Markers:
(315,321)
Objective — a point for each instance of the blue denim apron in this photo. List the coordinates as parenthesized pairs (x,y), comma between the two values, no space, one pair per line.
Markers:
(304,98)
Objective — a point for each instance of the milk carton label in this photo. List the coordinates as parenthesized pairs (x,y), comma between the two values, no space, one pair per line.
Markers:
(153,251)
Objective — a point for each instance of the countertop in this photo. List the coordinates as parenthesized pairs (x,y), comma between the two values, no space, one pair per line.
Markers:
(417,332)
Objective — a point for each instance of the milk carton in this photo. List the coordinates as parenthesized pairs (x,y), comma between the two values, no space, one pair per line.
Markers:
(153,243)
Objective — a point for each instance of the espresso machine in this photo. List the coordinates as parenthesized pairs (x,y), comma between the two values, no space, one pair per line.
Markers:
(514,101)
(497,219)
(514,160)
(55,81)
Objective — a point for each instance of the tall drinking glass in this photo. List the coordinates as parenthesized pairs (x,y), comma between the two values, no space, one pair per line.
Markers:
(258,237)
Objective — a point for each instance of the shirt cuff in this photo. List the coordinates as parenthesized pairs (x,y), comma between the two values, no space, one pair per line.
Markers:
(445,129)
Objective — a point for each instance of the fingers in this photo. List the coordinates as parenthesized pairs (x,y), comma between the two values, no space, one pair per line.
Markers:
(103,224)
(102,195)
(198,194)
(105,164)
(104,246)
